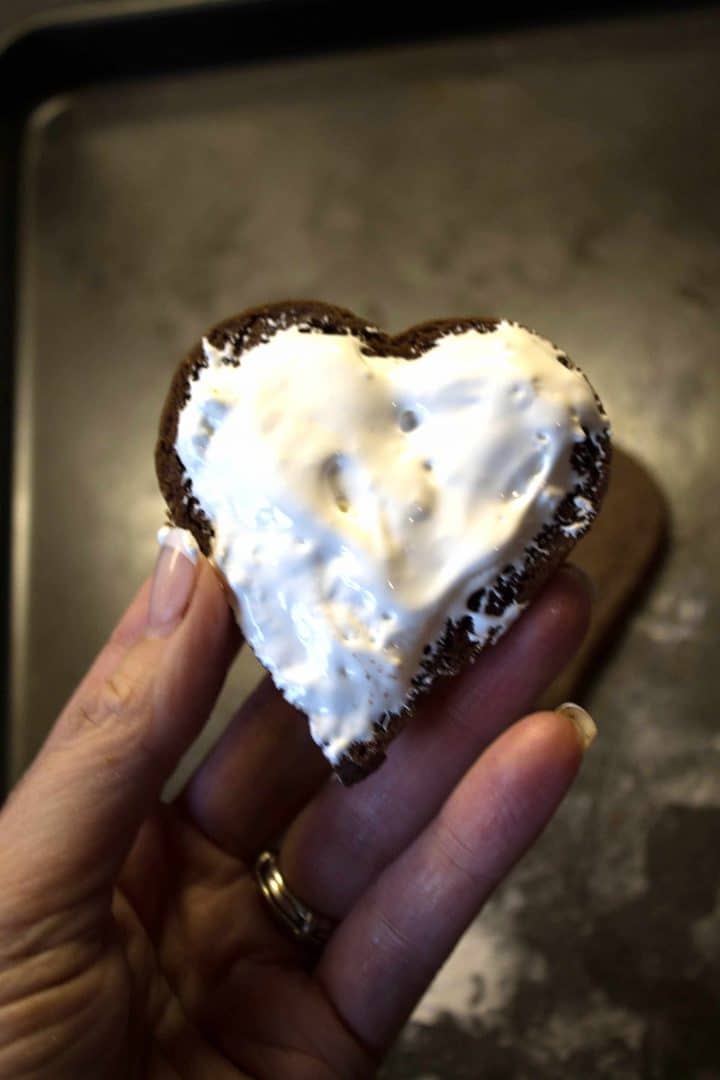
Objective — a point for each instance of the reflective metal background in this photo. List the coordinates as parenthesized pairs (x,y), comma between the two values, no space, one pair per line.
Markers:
(567,178)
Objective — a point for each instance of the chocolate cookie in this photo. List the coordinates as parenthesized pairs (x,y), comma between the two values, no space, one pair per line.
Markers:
(381,508)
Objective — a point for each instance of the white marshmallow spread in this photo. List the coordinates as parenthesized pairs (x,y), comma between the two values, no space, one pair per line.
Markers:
(357,502)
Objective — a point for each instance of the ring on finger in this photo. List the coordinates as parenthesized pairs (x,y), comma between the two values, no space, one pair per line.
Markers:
(295,917)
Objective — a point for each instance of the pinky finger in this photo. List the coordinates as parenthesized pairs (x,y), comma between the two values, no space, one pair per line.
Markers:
(387,950)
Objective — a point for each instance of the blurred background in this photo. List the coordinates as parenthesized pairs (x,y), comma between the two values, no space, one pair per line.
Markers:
(562,172)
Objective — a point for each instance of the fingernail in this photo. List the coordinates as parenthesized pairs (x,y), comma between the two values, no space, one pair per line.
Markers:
(582,721)
(583,577)
(173,581)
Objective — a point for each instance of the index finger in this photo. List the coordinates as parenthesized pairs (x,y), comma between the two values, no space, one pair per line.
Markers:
(70,821)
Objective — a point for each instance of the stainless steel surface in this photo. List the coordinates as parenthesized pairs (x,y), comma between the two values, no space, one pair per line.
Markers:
(567,178)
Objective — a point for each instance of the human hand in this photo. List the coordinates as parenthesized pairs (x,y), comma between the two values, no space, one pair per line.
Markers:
(134,941)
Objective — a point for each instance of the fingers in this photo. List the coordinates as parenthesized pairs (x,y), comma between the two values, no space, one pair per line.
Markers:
(261,771)
(71,820)
(344,838)
(383,956)
(265,767)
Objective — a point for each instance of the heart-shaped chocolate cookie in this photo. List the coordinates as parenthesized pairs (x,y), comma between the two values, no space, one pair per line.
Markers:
(381,508)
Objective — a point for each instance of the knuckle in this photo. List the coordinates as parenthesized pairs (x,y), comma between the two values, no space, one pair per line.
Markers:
(457,851)
(119,695)
(115,698)
(394,939)
(397,947)
(119,703)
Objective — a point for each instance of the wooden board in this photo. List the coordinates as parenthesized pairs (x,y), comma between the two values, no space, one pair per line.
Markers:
(619,553)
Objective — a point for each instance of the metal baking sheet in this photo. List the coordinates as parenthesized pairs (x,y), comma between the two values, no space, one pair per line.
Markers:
(566,176)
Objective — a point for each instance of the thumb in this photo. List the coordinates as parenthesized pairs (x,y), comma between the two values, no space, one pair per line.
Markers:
(68,826)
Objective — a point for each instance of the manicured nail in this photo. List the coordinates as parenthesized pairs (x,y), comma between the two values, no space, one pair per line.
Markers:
(173,581)
(581,720)
(583,577)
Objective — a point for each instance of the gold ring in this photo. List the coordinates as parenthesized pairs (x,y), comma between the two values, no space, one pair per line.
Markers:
(294,916)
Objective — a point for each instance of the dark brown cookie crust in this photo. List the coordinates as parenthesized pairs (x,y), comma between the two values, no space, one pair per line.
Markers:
(591,460)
